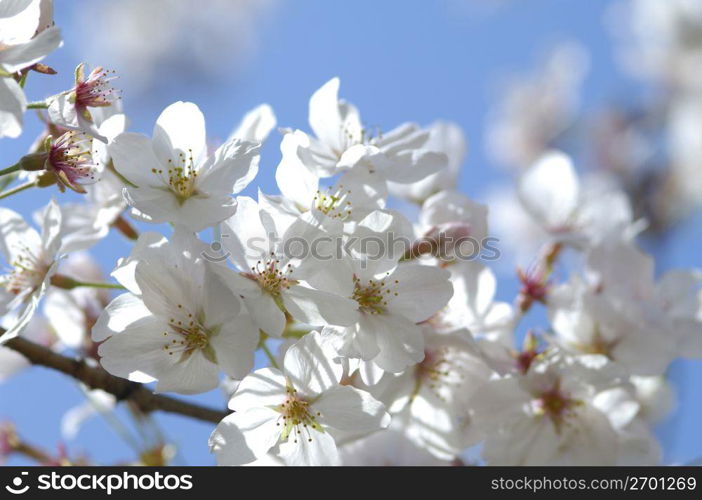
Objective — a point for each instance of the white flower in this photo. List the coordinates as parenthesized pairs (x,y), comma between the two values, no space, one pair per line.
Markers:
(390,305)
(621,311)
(342,144)
(295,412)
(551,416)
(432,397)
(70,109)
(181,326)
(27,35)
(270,281)
(588,322)
(173,179)
(550,192)
(351,198)
(32,258)
(444,137)
(624,276)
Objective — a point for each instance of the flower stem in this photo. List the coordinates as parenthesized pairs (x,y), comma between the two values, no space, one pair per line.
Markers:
(68,283)
(16,190)
(37,105)
(9,170)
(124,227)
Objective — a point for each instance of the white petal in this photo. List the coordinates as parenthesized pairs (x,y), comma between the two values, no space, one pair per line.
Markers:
(137,351)
(266,314)
(23,55)
(234,346)
(193,375)
(414,165)
(400,341)
(12,106)
(256,125)
(179,134)
(349,409)
(325,114)
(233,167)
(318,308)
(309,366)
(549,190)
(263,388)
(295,180)
(134,158)
(118,315)
(16,234)
(421,291)
(317,450)
(243,437)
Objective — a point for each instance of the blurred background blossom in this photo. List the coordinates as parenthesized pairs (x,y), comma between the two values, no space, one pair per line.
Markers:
(162,44)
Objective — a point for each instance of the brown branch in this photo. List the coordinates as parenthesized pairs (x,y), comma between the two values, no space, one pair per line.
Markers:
(122,389)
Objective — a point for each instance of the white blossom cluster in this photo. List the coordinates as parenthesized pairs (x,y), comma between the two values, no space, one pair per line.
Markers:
(389,354)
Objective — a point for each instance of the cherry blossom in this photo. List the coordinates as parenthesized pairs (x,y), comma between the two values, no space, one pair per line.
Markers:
(181,327)
(172,179)
(295,412)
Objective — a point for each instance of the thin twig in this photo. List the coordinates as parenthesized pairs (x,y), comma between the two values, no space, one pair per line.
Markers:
(122,389)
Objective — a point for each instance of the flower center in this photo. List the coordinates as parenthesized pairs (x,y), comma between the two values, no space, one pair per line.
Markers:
(28,272)
(180,176)
(441,372)
(270,277)
(95,91)
(297,417)
(434,367)
(334,204)
(187,336)
(556,405)
(372,297)
(71,161)
(597,344)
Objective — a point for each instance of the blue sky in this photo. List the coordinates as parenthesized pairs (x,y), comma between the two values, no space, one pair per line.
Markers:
(399,61)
